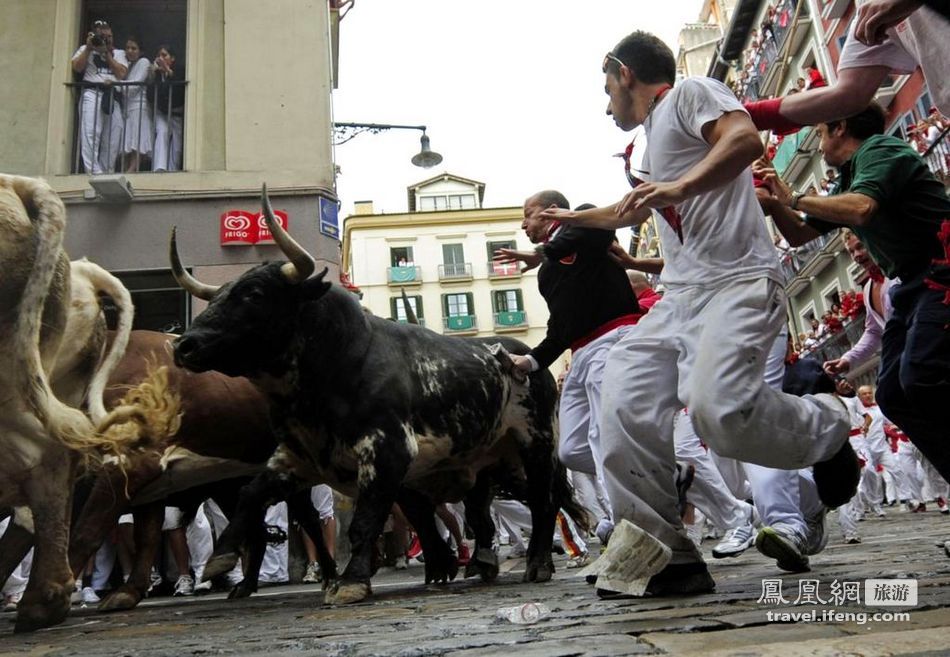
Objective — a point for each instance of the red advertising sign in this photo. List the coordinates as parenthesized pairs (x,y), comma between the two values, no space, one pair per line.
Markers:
(242,228)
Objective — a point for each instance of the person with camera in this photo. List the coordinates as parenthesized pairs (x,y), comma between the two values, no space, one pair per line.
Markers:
(169,103)
(100,65)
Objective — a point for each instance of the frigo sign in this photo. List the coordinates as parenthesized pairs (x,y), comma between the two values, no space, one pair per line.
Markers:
(243,228)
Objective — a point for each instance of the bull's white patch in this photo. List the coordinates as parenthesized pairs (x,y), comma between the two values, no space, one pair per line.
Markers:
(432,371)
(412,446)
(365,457)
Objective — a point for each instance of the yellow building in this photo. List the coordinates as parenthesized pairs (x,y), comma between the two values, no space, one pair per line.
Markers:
(441,258)
(254,111)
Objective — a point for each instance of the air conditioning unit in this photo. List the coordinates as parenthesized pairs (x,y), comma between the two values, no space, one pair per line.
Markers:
(114,188)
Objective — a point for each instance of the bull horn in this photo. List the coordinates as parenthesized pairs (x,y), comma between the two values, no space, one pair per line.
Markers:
(301,263)
(410,315)
(188,282)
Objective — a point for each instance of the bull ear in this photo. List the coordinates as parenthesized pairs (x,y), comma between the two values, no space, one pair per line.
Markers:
(315,287)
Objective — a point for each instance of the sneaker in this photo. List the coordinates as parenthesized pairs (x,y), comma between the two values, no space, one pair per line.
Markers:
(464,556)
(415,548)
(185,586)
(853,539)
(942,506)
(312,575)
(605,528)
(10,601)
(881,513)
(402,563)
(579,561)
(785,546)
(920,508)
(88,596)
(154,580)
(203,587)
(736,541)
(816,539)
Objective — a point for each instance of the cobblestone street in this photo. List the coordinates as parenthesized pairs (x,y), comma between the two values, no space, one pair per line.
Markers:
(407,619)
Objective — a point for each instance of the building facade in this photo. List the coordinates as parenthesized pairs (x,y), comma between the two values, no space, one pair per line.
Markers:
(440,255)
(246,119)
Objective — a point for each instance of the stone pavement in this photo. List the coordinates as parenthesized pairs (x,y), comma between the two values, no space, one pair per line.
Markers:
(407,619)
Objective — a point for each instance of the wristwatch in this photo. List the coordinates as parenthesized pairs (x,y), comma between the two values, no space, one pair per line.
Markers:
(796,197)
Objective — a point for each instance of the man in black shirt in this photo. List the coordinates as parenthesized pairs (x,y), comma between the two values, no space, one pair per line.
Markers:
(591,306)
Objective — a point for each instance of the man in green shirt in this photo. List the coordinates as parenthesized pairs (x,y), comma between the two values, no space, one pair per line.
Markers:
(890,199)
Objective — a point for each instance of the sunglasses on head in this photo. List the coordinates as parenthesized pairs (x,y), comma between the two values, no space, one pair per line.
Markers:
(610,57)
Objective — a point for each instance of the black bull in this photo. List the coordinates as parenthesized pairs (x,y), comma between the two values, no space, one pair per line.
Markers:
(381,411)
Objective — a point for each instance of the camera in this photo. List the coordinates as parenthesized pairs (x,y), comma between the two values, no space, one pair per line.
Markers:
(97,41)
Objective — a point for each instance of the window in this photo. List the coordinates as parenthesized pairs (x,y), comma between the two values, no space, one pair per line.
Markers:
(447,202)
(398,309)
(924,103)
(401,256)
(505,301)
(160,303)
(143,129)
(453,259)
(457,305)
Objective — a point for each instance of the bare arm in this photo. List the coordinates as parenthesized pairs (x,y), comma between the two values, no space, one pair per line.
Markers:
(789,223)
(81,59)
(735,145)
(649,265)
(849,209)
(606,217)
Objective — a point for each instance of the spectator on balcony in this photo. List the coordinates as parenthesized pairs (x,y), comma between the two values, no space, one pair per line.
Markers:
(591,308)
(137,139)
(100,65)
(800,85)
(815,79)
(890,199)
(169,102)
(811,341)
(831,321)
(866,60)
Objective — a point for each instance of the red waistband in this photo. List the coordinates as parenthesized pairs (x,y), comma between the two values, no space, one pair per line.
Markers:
(604,329)
(855,432)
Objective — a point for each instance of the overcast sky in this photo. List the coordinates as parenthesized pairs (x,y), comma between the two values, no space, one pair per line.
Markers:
(512,94)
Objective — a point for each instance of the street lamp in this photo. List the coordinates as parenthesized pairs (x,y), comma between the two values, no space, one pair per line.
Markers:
(425,158)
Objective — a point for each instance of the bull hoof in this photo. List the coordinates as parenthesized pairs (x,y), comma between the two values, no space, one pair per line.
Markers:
(483,564)
(539,572)
(36,610)
(441,573)
(241,590)
(344,594)
(219,564)
(120,600)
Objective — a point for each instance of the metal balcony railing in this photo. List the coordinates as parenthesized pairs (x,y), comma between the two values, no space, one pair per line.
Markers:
(937,157)
(496,270)
(452,270)
(128,126)
(795,259)
(419,320)
(511,318)
(460,323)
(403,275)
(836,345)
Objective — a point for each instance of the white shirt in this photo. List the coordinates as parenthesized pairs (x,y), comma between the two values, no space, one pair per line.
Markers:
(724,232)
(96,68)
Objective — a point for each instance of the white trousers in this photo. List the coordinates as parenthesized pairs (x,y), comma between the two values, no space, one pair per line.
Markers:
(98,157)
(274,565)
(167,149)
(590,494)
(18,579)
(579,412)
(515,517)
(321,496)
(708,492)
(934,485)
(912,484)
(705,348)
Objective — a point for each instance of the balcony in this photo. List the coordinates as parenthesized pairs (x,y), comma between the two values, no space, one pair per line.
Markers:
(511,320)
(937,157)
(455,272)
(503,271)
(802,264)
(406,276)
(836,345)
(141,132)
(792,146)
(460,324)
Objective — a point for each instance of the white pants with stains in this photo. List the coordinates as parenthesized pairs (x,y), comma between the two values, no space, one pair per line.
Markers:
(705,348)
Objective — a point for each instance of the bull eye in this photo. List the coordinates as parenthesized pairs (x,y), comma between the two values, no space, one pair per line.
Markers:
(254,296)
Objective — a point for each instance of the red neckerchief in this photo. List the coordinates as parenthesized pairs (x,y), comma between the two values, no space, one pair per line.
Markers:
(875,273)
(669,213)
(868,405)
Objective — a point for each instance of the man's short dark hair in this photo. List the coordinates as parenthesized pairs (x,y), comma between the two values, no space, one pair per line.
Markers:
(647,56)
(866,123)
(550,197)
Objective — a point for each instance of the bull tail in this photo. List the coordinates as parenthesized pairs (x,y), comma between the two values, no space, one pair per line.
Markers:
(47,214)
(106,283)
(564,499)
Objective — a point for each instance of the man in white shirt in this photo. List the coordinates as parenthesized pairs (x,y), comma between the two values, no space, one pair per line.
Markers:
(719,271)
(100,65)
